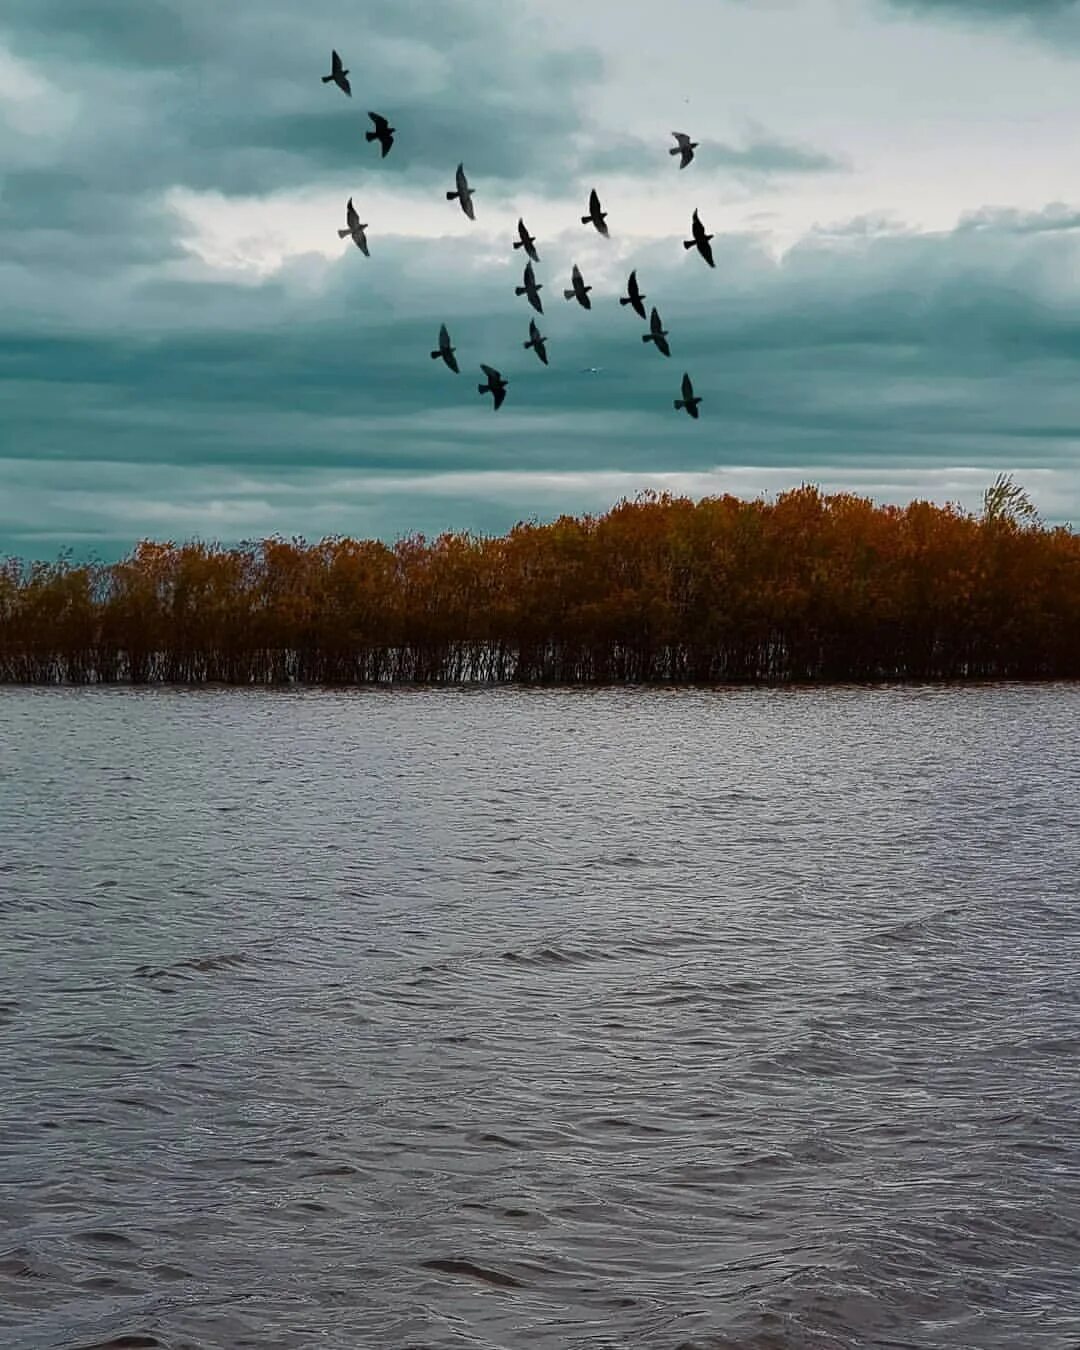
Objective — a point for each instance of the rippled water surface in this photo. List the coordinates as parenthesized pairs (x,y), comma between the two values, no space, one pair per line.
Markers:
(733,1020)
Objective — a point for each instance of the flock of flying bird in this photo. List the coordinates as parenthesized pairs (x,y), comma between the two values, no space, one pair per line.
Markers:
(496,385)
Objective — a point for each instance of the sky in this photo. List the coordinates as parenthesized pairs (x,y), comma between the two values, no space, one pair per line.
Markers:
(188,350)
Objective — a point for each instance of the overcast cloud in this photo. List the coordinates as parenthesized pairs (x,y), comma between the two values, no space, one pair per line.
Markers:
(186,348)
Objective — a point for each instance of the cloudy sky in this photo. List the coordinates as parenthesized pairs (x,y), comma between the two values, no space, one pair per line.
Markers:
(188,349)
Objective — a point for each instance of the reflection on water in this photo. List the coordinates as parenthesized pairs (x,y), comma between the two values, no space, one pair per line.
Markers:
(742,1020)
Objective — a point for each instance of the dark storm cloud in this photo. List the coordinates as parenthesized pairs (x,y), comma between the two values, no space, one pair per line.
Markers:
(152,33)
(991,9)
(48,227)
(902,346)
(229,96)
(145,394)
(760,156)
(205,96)
(1054,21)
(764,155)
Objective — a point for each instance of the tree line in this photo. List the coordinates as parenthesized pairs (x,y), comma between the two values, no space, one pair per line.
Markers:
(808,587)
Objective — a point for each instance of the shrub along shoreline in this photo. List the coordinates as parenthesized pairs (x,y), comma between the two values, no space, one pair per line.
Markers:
(806,588)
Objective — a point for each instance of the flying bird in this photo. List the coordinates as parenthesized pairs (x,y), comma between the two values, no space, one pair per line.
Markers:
(700,240)
(688,401)
(338,74)
(526,241)
(579,291)
(383,133)
(496,385)
(446,351)
(685,148)
(657,333)
(596,216)
(354,229)
(634,296)
(531,289)
(537,342)
(464,194)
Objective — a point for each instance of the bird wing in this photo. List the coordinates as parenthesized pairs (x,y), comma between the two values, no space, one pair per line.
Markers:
(335,63)
(534,332)
(351,218)
(575,276)
(654,322)
(662,345)
(451,361)
(490,371)
(687,388)
(462,181)
(706,252)
(444,338)
(344,83)
(382,126)
(594,203)
(499,392)
(686,157)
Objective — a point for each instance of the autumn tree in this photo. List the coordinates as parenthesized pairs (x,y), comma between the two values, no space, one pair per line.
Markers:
(661,588)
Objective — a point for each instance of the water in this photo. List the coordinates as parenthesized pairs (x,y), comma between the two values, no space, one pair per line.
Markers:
(705,1020)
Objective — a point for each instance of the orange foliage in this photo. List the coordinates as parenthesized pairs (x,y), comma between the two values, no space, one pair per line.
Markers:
(808,587)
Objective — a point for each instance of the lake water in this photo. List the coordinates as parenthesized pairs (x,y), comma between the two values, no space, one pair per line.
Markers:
(730,1020)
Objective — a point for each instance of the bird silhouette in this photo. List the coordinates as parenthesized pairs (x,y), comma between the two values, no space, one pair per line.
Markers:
(579,291)
(531,288)
(657,333)
(496,385)
(634,296)
(688,401)
(700,240)
(383,133)
(446,351)
(338,74)
(537,342)
(354,229)
(685,148)
(526,241)
(596,216)
(464,194)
